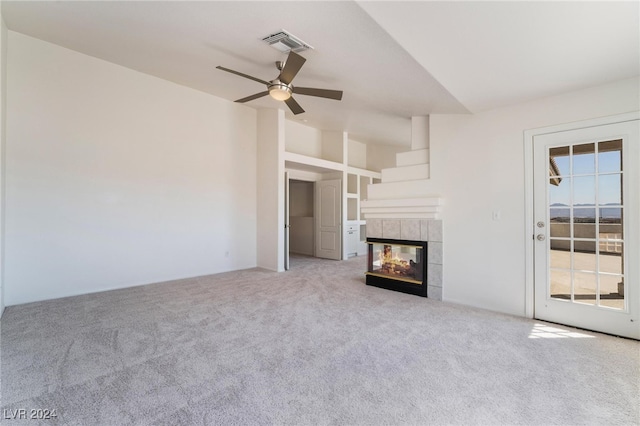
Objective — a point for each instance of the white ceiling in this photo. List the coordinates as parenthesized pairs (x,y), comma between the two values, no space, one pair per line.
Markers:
(392,59)
(492,54)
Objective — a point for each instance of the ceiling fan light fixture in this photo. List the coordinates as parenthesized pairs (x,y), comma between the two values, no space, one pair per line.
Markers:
(279,91)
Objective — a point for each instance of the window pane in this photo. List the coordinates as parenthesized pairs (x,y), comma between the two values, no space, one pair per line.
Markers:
(584,230)
(559,256)
(584,288)
(560,229)
(584,256)
(610,257)
(612,291)
(610,240)
(560,282)
(560,194)
(584,190)
(610,156)
(611,215)
(610,189)
(559,157)
(584,159)
(584,223)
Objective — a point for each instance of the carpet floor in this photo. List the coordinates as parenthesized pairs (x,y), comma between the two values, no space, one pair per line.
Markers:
(313,345)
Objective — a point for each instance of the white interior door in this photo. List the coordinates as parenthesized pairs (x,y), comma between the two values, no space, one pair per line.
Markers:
(587,233)
(328,219)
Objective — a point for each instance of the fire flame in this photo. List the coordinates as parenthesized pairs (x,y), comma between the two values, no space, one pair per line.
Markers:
(389,262)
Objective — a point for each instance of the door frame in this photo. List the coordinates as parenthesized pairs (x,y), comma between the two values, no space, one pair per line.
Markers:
(287,225)
(312,183)
(529,192)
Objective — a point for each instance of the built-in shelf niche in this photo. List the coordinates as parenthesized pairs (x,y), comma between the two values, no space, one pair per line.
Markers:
(352,184)
(352,209)
(364,182)
(311,142)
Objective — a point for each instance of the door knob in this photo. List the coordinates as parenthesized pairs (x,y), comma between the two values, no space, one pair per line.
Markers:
(540,237)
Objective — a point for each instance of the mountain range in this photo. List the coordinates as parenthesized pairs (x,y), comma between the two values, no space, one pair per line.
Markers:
(583,210)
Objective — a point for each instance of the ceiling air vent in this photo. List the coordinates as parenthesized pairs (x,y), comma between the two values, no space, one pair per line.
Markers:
(284,42)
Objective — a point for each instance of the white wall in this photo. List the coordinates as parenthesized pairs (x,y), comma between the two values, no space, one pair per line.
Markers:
(302,139)
(333,146)
(3,134)
(357,154)
(115,178)
(477,165)
(382,156)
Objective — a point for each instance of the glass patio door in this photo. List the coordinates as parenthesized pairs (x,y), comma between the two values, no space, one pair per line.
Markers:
(586,195)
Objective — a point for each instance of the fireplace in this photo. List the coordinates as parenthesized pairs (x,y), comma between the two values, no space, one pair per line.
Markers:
(399,265)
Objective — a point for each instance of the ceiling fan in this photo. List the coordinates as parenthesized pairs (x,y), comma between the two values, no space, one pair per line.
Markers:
(281,88)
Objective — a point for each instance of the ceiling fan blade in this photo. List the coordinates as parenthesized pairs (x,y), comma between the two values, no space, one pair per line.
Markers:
(242,75)
(321,93)
(252,97)
(294,106)
(291,67)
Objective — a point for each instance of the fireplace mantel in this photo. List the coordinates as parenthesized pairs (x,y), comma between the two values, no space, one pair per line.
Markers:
(423,207)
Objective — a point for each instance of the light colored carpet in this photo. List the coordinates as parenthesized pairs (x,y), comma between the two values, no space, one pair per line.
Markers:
(310,346)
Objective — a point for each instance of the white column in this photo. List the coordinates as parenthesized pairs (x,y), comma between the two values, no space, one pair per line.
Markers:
(270,185)
(345,161)
(419,132)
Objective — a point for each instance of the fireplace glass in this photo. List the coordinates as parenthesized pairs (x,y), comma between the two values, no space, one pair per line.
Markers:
(398,261)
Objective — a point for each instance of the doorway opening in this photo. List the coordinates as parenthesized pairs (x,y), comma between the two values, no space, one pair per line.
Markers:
(313,218)
(301,218)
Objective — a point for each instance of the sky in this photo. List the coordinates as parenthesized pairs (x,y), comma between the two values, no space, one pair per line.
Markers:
(584,179)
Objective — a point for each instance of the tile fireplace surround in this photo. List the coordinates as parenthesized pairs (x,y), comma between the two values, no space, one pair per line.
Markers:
(429,230)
